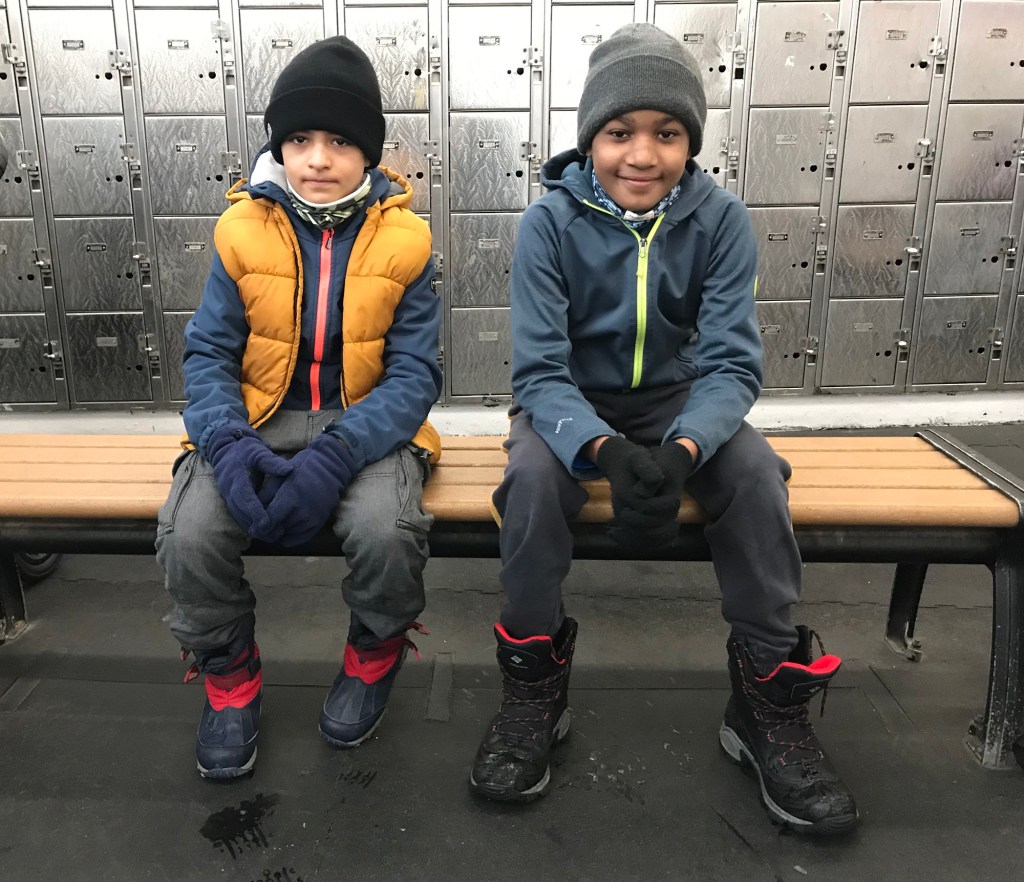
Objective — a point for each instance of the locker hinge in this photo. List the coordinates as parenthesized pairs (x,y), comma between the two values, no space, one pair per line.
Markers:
(432,152)
(528,151)
(438,264)
(220,30)
(434,59)
(734,46)
(147,344)
(810,347)
(828,122)
(732,161)
(1008,246)
(13,57)
(937,50)
(26,160)
(819,224)
(902,344)
(140,253)
(995,342)
(52,351)
(131,156)
(120,61)
(41,258)
(834,39)
(231,162)
(925,150)
(535,58)
(1018,147)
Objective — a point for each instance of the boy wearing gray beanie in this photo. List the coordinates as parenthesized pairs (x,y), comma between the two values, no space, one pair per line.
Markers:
(636,357)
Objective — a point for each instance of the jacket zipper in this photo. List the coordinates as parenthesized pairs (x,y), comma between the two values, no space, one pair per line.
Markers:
(641,290)
(320,331)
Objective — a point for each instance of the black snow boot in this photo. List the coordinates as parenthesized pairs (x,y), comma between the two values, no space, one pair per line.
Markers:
(766,728)
(512,762)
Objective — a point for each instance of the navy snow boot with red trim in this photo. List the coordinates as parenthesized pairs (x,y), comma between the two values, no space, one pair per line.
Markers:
(512,761)
(230,724)
(356,703)
(766,728)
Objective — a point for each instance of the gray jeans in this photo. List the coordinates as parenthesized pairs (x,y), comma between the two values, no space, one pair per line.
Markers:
(742,490)
(380,525)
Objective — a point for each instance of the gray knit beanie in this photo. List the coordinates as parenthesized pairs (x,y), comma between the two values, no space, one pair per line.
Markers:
(640,67)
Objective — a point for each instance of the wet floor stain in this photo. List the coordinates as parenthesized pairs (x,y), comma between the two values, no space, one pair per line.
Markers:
(285,874)
(239,828)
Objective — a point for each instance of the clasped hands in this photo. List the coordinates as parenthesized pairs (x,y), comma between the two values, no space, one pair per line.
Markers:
(276,499)
(647,486)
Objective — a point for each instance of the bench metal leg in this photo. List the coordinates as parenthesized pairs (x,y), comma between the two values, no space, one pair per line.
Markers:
(907,585)
(992,734)
(12,598)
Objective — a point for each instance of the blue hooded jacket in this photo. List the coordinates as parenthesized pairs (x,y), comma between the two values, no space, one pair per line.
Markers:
(597,306)
(216,335)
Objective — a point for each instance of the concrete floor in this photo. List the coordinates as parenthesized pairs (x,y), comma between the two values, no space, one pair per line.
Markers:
(97,737)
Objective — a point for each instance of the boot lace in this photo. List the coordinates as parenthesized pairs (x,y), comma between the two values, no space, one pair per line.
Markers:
(526,708)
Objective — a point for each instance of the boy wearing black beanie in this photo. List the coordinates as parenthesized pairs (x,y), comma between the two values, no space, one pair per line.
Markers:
(636,357)
(310,368)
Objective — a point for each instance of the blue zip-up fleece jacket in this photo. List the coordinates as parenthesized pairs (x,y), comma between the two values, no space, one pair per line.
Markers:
(597,306)
(215,340)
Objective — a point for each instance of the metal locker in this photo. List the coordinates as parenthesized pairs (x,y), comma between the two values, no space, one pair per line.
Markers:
(977,155)
(785,250)
(86,165)
(256,137)
(73,67)
(187,175)
(15,199)
(8,92)
(489,57)
(879,161)
(106,357)
(953,339)
(891,62)
(174,353)
(785,155)
(403,152)
(481,356)
(270,39)
(26,371)
(575,31)
(704,29)
(860,343)
(792,61)
(395,38)
(714,151)
(870,257)
(988,62)
(184,252)
(1015,343)
(783,335)
(97,271)
(964,255)
(481,258)
(561,131)
(179,61)
(488,171)
(20,285)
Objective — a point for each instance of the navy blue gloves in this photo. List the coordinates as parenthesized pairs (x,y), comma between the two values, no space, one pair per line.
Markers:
(647,486)
(241,462)
(302,502)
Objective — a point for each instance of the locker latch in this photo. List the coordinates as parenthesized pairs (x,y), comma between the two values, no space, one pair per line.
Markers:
(220,30)
(146,345)
(828,122)
(231,162)
(913,249)
(41,258)
(140,253)
(734,46)
(13,57)
(830,162)
(26,160)
(432,153)
(120,61)
(1018,147)
(438,263)
(834,39)
(535,58)
(52,351)
(131,156)
(937,50)
(732,161)
(435,56)
(995,342)
(902,344)
(819,224)
(925,149)
(1008,246)
(810,347)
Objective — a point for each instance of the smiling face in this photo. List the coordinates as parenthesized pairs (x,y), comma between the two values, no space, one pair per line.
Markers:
(321,166)
(639,157)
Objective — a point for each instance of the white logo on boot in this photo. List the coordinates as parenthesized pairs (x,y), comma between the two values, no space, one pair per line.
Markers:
(516,660)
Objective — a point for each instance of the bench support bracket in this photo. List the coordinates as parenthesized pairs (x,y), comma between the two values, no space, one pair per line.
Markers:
(12,598)
(907,585)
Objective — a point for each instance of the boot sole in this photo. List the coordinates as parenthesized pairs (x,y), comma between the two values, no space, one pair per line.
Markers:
(561,734)
(228,774)
(737,751)
(345,745)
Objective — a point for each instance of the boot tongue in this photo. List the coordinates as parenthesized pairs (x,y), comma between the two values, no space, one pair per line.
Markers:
(791,683)
(529,660)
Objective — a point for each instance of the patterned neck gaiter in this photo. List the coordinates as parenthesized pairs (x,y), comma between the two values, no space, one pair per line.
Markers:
(328,215)
(631,218)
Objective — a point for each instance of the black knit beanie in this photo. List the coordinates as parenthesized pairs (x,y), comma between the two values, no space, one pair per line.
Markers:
(640,67)
(330,86)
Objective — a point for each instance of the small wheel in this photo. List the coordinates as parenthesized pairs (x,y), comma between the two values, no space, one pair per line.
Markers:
(36,566)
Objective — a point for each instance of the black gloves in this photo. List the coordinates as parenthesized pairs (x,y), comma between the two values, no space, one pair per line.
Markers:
(646,489)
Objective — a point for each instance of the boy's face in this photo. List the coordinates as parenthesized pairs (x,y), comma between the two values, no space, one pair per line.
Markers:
(639,157)
(322,166)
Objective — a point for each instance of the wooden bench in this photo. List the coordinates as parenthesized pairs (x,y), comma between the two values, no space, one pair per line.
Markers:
(910,501)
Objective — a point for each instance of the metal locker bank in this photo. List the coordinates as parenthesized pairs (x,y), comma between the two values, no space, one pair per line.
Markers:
(879,145)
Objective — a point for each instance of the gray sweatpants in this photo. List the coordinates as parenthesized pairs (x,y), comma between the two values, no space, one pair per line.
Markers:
(380,524)
(742,490)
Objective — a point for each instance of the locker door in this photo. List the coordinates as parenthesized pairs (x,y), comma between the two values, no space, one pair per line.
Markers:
(179,61)
(1015,343)
(481,352)
(860,343)
(488,172)
(890,58)
(561,131)
(403,152)
(26,375)
(85,165)
(879,164)
(977,155)
(870,257)
(703,28)
(15,200)
(395,38)
(184,164)
(953,339)
(988,63)
(184,252)
(575,31)
(174,353)
(482,246)
(792,64)
(489,57)
(270,39)
(785,249)
(8,94)
(964,254)
(97,271)
(20,285)
(106,361)
(785,156)
(783,329)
